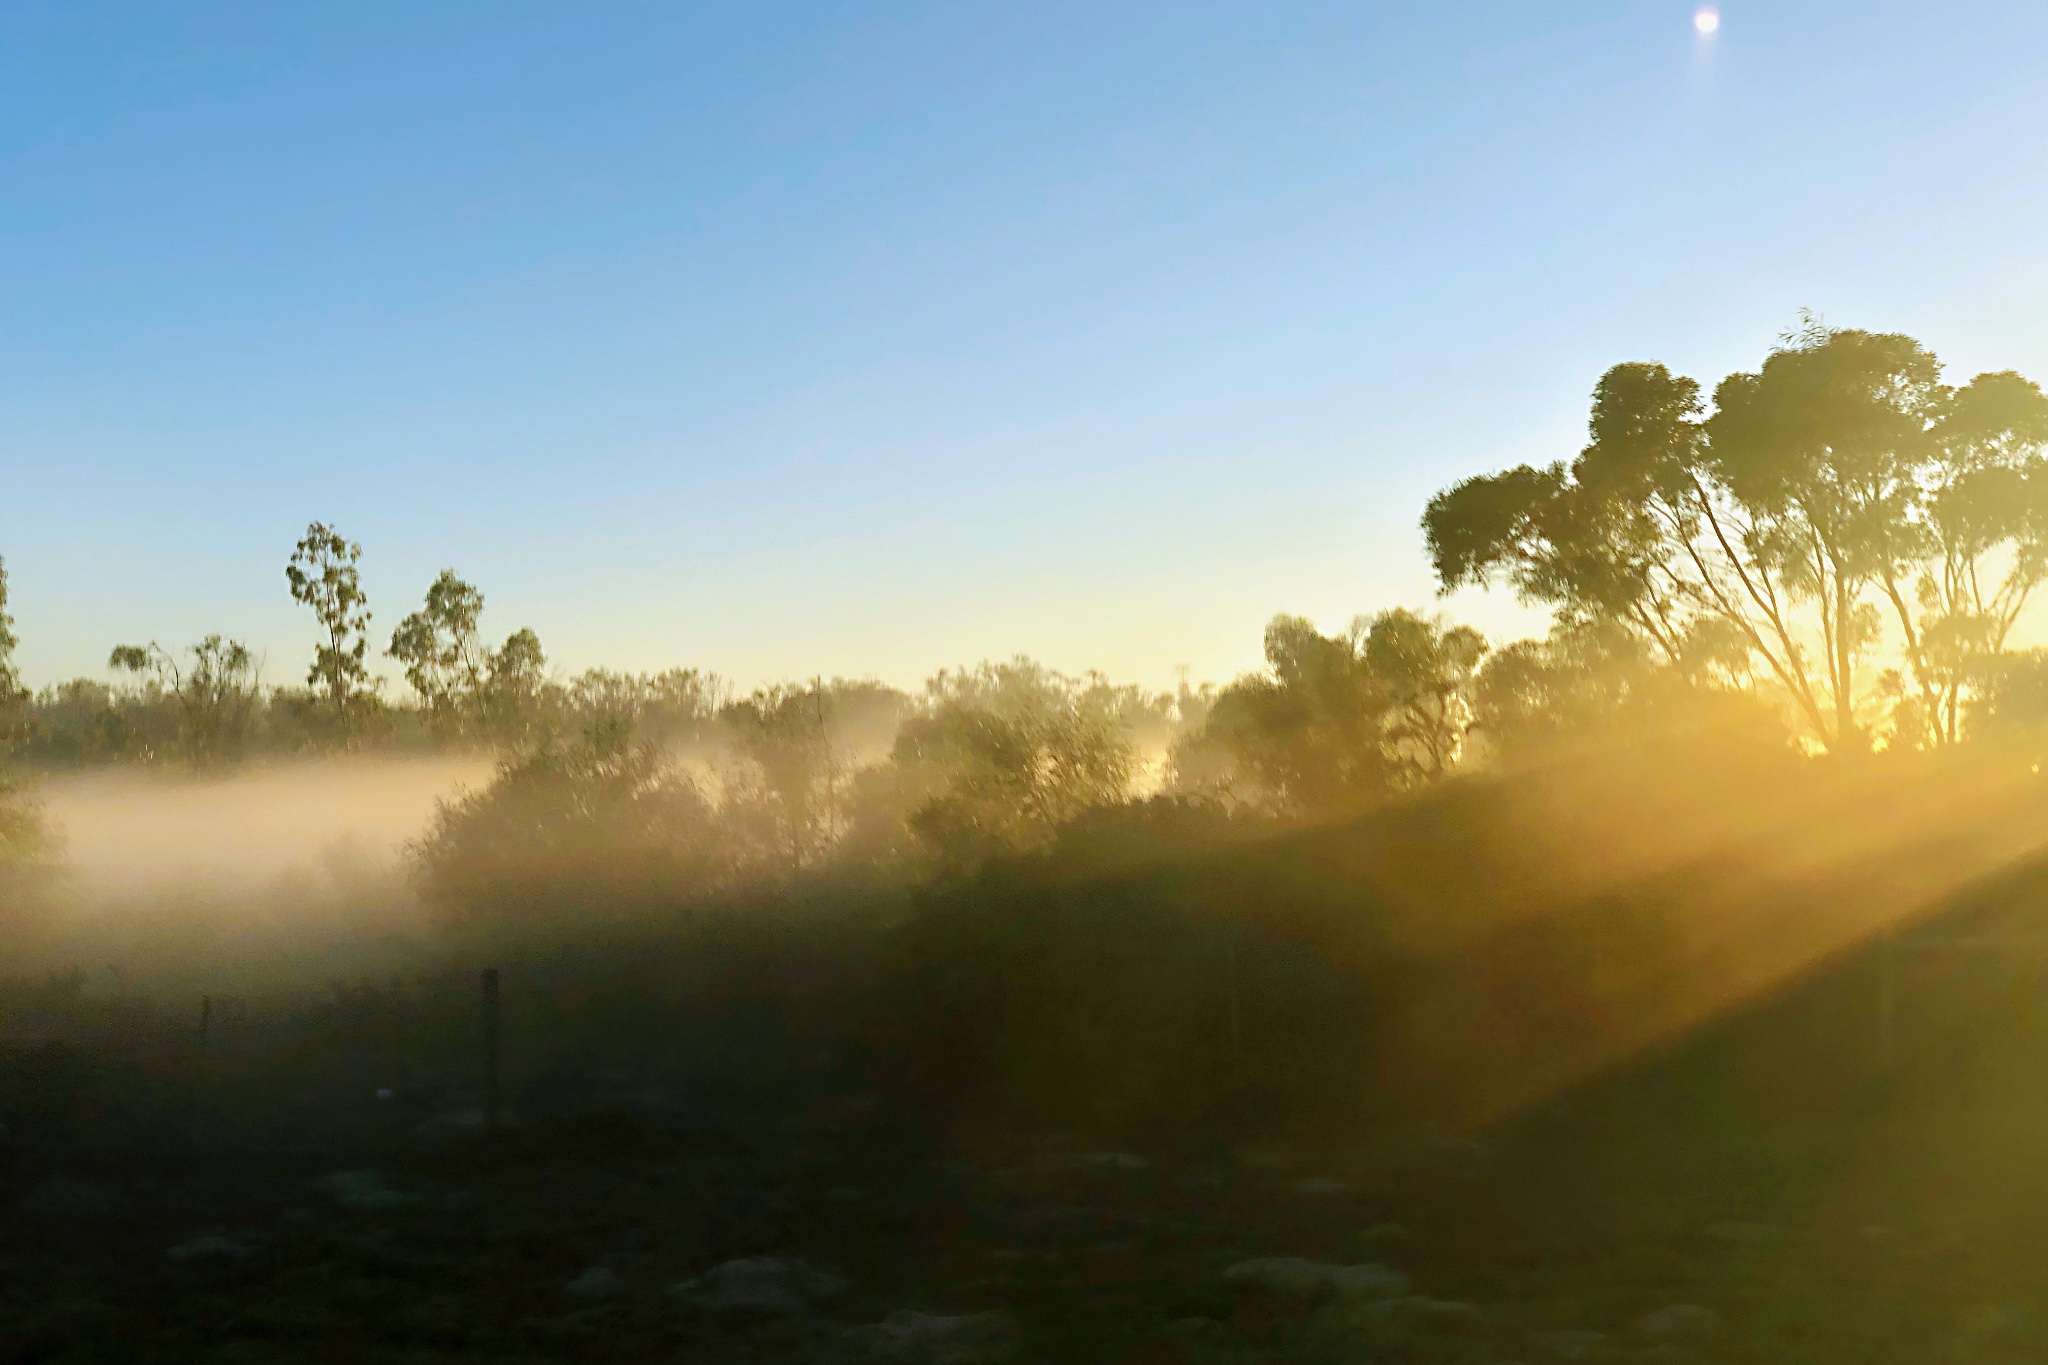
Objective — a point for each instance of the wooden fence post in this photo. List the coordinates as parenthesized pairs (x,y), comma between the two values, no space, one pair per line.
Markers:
(490,1049)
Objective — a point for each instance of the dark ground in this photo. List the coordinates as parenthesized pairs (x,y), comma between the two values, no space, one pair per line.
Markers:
(1798,1182)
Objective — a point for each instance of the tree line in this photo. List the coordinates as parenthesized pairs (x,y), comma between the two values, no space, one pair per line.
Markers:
(1832,557)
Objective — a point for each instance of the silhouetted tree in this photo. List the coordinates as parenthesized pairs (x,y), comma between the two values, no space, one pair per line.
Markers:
(466,688)
(445,660)
(1636,534)
(679,706)
(1983,528)
(324,574)
(216,696)
(26,843)
(28,846)
(794,778)
(1601,681)
(511,699)
(1838,476)
(1425,669)
(1307,736)
(80,722)
(12,695)
(1820,449)
(1002,755)
(568,824)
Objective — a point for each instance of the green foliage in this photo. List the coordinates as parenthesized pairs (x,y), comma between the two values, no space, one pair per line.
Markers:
(466,689)
(793,778)
(1589,539)
(85,723)
(10,677)
(1839,481)
(1337,722)
(29,848)
(1306,736)
(1984,529)
(851,777)
(444,660)
(675,708)
(1600,683)
(324,575)
(594,824)
(2011,701)
(1426,670)
(24,839)
(13,697)
(216,694)
(1006,754)
(1822,449)
(512,701)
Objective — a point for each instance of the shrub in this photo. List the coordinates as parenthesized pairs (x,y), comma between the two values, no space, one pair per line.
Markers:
(599,820)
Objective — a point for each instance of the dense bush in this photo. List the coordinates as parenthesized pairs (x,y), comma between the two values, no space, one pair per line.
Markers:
(28,846)
(599,823)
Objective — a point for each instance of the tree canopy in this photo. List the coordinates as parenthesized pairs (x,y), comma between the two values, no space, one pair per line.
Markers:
(1839,490)
(324,574)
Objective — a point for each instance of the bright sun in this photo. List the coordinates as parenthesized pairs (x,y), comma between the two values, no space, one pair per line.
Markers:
(1707,20)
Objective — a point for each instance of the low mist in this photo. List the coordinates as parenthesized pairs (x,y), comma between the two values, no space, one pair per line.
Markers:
(132,833)
(166,873)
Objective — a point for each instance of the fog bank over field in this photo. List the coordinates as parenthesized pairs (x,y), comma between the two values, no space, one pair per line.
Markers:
(133,833)
(218,880)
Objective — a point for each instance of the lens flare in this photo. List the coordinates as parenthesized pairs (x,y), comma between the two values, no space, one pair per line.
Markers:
(1707,20)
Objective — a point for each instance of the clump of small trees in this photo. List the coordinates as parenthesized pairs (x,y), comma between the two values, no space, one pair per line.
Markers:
(213,692)
(1338,721)
(26,841)
(468,690)
(598,819)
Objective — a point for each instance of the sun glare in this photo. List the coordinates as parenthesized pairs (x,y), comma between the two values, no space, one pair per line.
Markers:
(1707,20)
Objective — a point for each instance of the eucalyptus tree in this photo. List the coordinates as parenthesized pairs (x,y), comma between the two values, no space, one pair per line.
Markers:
(1007,753)
(467,688)
(515,681)
(26,842)
(568,822)
(10,678)
(1305,736)
(1837,478)
(1822,451)
(1336,722)
(444,657)
(1984,523)
(324,574)
(1425,670)
(216,693)
(795,778)
(670,709)
(12,694)
(1638,533)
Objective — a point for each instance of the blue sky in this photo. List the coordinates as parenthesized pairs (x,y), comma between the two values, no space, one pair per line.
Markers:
(870,338)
